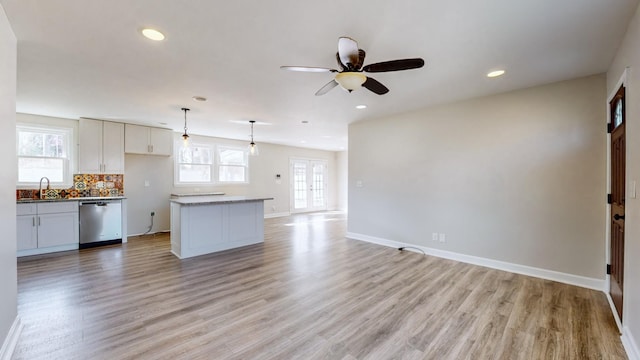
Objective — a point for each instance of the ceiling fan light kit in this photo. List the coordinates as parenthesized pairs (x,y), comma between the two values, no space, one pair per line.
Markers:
(350,62)
(351,80)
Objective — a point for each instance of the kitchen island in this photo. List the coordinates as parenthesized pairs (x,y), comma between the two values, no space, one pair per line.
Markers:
(205,224)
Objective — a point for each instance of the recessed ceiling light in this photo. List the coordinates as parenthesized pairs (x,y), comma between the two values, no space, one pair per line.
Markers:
(199,98)
(495,73)
(303,141)
(361,107)
(153,34)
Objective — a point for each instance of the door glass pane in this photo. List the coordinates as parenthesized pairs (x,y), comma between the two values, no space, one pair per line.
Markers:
(299,185)
(318,185)
(617,117)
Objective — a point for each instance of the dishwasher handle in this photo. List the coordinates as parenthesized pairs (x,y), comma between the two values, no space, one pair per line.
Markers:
(96,203)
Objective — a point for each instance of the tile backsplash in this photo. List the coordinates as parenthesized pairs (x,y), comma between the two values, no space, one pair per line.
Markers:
(84,185)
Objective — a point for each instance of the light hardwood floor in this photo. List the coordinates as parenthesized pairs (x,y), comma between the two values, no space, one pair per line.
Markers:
(306,293)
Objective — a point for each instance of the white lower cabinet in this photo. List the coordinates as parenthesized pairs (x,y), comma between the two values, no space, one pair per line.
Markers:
(27,232)
(47,227)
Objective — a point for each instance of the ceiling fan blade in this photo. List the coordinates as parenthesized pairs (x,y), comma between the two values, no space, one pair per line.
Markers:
(375,86)
(341,66)
(348,51)
(361,55)
(307,69)
(395,65)
(325,89)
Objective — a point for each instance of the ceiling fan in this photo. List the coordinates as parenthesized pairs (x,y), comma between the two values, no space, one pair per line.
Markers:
(349,76)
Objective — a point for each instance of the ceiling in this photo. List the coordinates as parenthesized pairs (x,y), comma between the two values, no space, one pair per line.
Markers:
(87,58)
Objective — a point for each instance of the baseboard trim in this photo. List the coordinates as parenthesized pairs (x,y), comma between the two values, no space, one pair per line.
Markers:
(590,283)
(614,312)
(150,233)
(11,341)
(275,215)
(630,344)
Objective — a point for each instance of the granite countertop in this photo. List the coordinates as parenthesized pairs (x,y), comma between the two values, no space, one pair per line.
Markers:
(24,201)
(217,199)
(173,196)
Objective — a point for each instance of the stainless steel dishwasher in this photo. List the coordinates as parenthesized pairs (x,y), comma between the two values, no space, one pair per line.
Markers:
(100,222)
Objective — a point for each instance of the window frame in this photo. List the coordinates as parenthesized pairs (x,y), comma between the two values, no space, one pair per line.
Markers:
(220,164)
(68,162)
(178,145)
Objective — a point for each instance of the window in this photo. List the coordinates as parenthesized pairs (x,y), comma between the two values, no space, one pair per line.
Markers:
(194,164)
(233,164)
(44,151)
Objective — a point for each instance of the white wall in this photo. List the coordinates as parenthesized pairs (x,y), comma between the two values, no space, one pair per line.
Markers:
(517,177)
(342,164)
(628,55)
(273,159)
(8,176)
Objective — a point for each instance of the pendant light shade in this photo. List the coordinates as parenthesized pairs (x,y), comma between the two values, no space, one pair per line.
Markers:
(185,136)
(253,148)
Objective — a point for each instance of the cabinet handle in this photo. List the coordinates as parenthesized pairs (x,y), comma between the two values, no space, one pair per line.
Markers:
(38,220)
(33,221)
(151,148)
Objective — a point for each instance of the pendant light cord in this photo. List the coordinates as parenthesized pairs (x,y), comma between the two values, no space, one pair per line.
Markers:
(185,122)
(252,121)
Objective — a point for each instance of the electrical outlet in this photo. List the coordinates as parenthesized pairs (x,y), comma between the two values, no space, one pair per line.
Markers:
(434,236)
(442,238)
(153,213)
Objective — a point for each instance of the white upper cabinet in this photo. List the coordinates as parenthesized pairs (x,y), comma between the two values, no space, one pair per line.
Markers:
(147,140)
(101,147)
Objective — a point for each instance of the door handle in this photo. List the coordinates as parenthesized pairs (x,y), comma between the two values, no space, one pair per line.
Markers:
(618,217)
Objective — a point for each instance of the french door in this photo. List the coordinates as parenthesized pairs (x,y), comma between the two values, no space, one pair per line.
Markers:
(308,185)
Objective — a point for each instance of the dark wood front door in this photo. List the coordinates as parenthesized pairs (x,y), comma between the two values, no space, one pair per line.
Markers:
(617,110)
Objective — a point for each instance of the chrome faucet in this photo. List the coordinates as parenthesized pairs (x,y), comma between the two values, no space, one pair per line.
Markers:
(43,178)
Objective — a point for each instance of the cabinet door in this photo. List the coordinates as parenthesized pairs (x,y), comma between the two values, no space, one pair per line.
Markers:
(161,141)
(90,147)
(27,232)
(57,229)
(136,139)
(113,147)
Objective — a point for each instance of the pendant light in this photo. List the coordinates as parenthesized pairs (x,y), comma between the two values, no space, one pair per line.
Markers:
(185,136)
(253,148)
